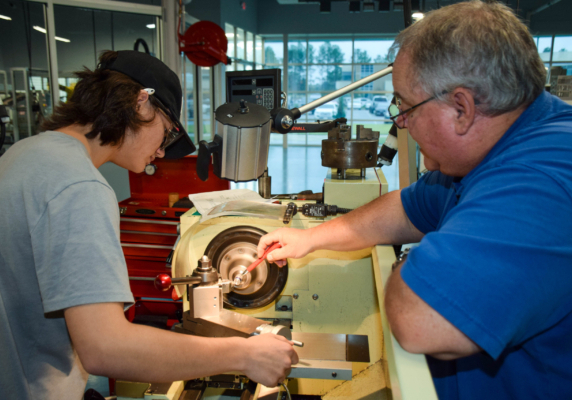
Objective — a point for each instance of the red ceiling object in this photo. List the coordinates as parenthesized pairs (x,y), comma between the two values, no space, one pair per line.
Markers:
(205,44)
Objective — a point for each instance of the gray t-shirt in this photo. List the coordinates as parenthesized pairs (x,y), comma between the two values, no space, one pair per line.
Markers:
(59,248)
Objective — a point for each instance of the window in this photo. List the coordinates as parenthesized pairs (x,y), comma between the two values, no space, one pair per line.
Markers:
(556,52)
(229,32)
(318,66)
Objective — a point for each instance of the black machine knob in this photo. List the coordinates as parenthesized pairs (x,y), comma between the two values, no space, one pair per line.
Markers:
(243,107)
(204,157)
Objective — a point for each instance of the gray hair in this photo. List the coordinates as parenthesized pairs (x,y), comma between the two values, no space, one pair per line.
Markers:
(479,46)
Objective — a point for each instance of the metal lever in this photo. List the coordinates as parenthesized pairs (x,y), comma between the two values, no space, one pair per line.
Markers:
(164,282)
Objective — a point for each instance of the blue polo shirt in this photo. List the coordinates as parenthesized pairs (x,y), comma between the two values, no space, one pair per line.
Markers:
(496,260)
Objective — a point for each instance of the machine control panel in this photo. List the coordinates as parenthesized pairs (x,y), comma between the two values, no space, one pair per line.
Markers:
(261,87)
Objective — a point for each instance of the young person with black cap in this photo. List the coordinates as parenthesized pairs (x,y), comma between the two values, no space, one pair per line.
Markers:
(63,278)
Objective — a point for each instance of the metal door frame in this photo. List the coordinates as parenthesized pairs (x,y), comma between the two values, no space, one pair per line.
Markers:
(109,5)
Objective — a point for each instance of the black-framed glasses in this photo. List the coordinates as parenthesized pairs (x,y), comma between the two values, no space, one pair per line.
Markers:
(394,110)
(171,134)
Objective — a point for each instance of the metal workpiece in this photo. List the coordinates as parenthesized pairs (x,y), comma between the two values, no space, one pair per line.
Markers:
(237,257)
(232,251)
(276,330)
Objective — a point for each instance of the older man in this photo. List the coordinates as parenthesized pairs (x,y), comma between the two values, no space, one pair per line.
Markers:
(488,292)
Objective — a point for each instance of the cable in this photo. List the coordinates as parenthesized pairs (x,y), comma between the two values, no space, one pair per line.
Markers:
(142,42)
(287,391)
(322,210)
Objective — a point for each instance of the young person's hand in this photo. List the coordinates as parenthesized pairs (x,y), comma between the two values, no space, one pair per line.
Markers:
(269,359)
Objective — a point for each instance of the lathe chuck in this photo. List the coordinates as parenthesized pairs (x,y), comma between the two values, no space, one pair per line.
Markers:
(232,251)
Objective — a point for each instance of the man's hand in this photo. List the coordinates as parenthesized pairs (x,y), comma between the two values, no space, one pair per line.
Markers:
(270,359)
(296,243)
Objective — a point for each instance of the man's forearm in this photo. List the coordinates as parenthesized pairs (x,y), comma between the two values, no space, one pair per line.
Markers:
(382,221)
(418,327)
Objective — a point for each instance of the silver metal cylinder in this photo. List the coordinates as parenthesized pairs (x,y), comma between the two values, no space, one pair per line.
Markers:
(277,330)
(245,151)
(265,185)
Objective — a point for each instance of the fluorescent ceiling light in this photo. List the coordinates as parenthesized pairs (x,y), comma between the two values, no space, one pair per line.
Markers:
(43,30)
(417,15)
(151,26)
(5,17)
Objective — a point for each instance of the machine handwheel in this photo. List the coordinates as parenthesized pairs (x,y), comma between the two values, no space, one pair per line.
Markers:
(232,251)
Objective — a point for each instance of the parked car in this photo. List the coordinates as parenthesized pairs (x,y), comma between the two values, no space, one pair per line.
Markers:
(377,99)
(381,108)
(358,103)
(326,111)
(365,102)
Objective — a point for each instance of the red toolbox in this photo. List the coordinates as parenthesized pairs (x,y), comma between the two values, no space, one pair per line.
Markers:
(149,230)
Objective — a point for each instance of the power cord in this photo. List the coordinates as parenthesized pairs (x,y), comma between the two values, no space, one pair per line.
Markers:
(286,390)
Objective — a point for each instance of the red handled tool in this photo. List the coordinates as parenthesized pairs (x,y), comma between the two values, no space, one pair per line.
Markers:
(238,278)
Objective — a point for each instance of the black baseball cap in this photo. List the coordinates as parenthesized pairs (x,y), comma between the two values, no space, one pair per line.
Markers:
(152,73)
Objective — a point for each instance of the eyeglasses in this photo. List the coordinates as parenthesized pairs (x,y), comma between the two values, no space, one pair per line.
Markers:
(171,134)
(394,110)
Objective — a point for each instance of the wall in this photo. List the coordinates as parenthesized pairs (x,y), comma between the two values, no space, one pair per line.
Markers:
(205,10)
(233,14)
(227,11)
(275,18)
(553,20)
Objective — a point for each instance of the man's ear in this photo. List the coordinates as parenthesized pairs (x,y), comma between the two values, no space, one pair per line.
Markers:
(465,110)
